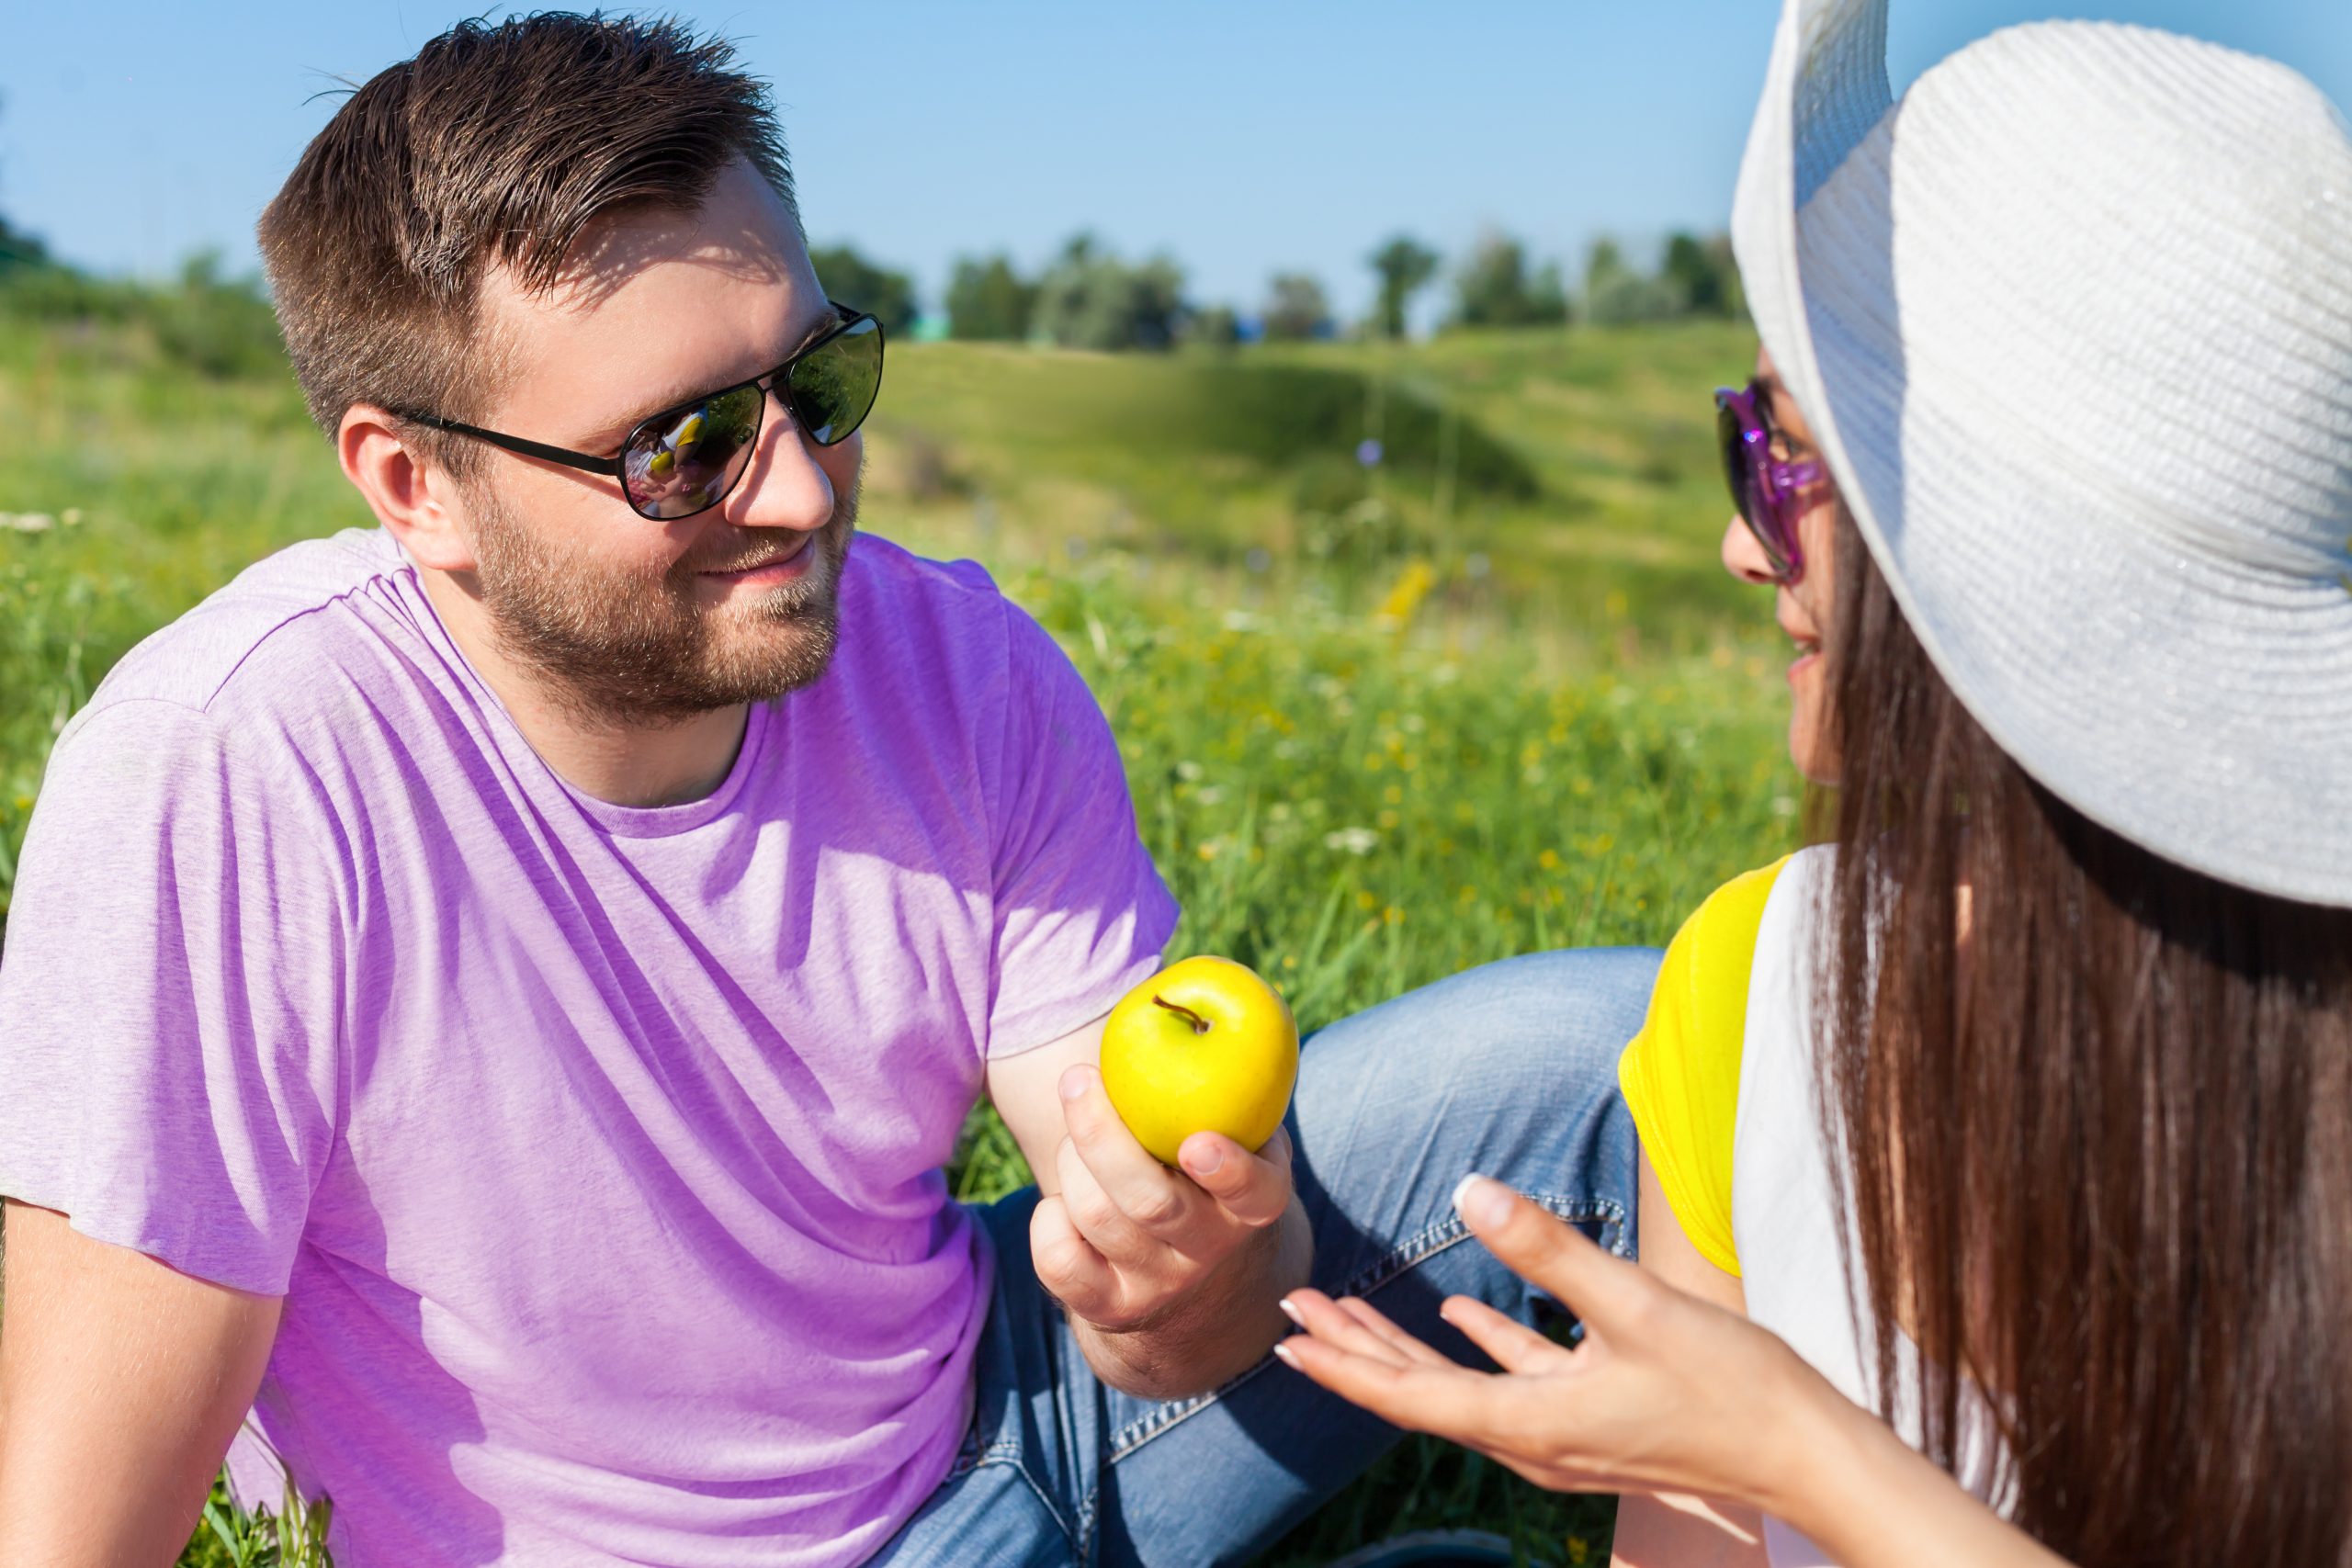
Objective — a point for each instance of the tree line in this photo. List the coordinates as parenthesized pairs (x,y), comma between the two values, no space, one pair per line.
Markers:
(1086,296)
(1089,297)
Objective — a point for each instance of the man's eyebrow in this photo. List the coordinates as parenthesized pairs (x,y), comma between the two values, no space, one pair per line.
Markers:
(618,429)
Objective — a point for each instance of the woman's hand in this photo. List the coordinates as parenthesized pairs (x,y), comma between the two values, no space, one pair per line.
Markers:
(1665,1393)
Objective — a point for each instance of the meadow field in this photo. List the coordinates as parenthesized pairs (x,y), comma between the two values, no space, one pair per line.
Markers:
(1486,695)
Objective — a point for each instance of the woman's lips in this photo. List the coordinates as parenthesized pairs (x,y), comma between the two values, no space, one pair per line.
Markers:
(1799,630)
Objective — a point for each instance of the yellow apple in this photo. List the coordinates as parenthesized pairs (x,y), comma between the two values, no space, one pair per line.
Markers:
(1203,1046)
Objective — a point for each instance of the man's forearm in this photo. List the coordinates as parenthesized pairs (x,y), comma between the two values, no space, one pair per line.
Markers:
(1218,1331)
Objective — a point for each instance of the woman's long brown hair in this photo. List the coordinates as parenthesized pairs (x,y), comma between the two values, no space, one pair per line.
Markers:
(2099,1164)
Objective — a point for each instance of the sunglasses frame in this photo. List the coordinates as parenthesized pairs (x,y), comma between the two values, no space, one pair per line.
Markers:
(615,465)
(1771,480)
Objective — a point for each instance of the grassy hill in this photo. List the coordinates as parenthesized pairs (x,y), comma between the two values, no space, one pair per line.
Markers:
(1540,473)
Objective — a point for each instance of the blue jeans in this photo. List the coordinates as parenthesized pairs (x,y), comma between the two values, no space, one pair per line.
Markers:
(1508,1069)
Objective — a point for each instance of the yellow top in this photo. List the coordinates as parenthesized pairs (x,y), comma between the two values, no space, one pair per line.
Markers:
(1680,1074)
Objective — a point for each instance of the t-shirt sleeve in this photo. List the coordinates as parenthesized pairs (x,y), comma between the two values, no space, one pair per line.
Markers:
(169,998)
(1680,1074)
(1081,915)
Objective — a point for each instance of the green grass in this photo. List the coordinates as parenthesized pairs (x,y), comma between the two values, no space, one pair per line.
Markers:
(1490,697)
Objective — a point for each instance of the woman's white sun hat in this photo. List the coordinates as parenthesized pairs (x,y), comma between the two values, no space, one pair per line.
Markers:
(2073,324)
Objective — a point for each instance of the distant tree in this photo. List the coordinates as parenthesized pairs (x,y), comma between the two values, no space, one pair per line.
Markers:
(1692,273)
(1605,264)
(854,280)
(1405,266)
(989,301)
(18,248)
(1295,309)
(1213,326)
(1727,264)
(1547,297)
(1703,272)
(1616,292)
(1090,298)
(1493,288)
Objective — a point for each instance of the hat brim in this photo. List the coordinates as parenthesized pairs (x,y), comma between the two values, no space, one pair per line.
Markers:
(2185,688)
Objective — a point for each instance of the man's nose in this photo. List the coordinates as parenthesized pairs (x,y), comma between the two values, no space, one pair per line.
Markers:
(1743,553)
(786,487)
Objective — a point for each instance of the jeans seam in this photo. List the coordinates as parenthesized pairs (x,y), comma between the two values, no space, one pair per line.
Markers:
(1008,1454)
(1442,1236)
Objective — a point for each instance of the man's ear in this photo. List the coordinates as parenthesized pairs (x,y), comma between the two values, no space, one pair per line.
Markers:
(411,496)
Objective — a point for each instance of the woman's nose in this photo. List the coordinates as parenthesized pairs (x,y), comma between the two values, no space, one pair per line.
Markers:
(1743,555)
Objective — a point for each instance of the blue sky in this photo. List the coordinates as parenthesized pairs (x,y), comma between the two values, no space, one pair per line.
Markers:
(1243,138)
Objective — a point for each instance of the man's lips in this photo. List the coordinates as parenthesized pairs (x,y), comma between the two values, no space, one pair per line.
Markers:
(774,560)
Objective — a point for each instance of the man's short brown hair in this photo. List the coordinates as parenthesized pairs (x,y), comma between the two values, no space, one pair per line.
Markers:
(496,146)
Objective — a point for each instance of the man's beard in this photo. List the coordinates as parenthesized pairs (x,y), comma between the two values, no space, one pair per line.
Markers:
(624,649)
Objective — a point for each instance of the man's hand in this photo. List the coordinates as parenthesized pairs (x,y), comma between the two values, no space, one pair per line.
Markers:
(1125,1240)
(1170,1277)
(121,1382)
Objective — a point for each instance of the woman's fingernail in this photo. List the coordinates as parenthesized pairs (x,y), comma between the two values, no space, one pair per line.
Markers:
(1461,1190)
(1291,1311)
(1289,1357)
(1481,1201)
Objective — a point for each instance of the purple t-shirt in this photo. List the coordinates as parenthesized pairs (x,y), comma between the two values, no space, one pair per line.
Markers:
(595,1150)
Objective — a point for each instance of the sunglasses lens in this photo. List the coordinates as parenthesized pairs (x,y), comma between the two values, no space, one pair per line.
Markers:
(1733,451)
(685,461)
(1743,460)
(831,388)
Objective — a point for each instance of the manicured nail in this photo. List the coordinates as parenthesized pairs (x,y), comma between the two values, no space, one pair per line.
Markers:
(1461,1190)
(1289,1357)
(1291,1311)
(1482,1201)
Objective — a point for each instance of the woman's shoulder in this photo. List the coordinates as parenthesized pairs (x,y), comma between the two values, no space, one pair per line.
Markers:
(1680,1074)
(1734,910)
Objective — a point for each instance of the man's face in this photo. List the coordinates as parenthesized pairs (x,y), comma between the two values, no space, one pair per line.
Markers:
(630,620)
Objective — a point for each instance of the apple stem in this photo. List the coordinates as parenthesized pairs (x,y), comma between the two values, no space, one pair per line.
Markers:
(1199,1025)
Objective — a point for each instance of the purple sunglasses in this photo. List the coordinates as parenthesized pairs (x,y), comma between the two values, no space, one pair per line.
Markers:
(1761,484)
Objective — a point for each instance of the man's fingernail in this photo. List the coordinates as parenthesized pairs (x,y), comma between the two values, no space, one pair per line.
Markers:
(1289,1357)
(1291,1311)
(1073,1083)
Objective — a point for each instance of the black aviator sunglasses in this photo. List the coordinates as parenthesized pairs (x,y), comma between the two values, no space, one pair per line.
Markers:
(687,459)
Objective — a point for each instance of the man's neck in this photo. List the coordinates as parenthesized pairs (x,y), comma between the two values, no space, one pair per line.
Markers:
(663,763)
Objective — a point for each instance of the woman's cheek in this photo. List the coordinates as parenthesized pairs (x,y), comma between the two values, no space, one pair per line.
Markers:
(1809,746)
